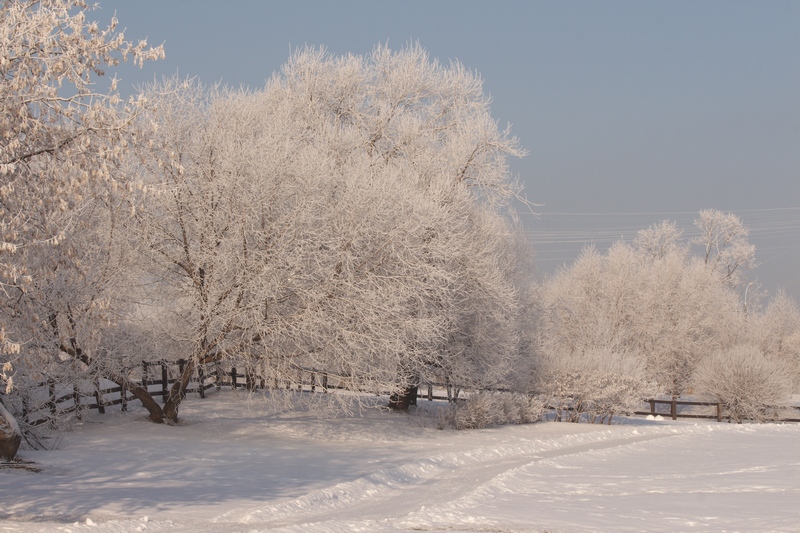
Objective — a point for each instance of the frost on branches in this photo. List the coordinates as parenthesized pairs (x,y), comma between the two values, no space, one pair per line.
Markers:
(649,317)
(60,144)
(750,384)
(351,218)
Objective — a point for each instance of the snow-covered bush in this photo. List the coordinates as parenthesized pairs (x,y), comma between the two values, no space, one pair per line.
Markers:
(490,408)
(618,394)
(749,384)
(594,386)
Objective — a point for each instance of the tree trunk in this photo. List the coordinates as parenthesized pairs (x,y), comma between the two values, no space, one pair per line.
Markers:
(10,436)
(401,401)
(149,403)
(178,392)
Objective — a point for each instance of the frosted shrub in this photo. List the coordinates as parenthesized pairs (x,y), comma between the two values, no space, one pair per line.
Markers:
(617,394)
(594,385)
(493,409)
(750,385)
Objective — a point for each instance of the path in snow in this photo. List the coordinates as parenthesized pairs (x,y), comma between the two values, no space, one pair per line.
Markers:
(390,496)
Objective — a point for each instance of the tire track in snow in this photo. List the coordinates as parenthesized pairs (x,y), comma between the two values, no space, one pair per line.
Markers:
(397,492)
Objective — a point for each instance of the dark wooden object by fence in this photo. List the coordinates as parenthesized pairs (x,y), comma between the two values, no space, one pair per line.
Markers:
(123,396)
(201,379)
(164,382)
(249,380)
(76,399)
(101,408)
(51,402)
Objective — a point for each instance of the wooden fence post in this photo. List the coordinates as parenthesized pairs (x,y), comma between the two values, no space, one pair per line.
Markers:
(201,378)
(25,408)
(430,392)
(164,382)
(98,396)
(218,370)
(123,396)
(719,412)
(76,397)
(51,402)
(325,382)
(673,408)
(233,378)
(249,381)
(652,407)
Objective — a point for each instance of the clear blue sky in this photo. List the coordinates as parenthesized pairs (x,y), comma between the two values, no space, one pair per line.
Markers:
(632,111)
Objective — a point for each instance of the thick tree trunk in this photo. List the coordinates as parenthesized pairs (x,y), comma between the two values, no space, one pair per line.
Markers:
(178,392)
(149,403)
(139,391)
(403,400)
(10,436)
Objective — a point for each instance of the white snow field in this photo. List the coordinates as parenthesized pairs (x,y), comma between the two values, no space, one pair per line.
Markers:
(230,467)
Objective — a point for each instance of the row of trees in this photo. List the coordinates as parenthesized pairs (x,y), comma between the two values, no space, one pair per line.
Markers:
(667,315)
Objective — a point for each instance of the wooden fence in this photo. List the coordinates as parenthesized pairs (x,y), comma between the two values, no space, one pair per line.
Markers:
(159,376)
(675,410)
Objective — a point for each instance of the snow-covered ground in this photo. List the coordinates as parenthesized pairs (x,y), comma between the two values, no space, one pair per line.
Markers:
(230,467)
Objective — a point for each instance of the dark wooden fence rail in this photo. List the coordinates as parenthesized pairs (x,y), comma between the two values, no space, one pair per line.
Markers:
(157,377)
(675,413)
(61,400)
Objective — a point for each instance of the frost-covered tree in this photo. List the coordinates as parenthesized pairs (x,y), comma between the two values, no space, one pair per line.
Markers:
(659,240)
(402,114)
(651,299)
(591,304)
(351,217)
(685,315)
(61,141)
(725,248)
